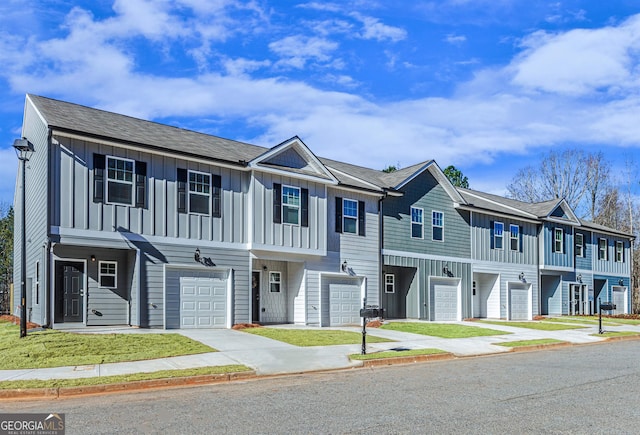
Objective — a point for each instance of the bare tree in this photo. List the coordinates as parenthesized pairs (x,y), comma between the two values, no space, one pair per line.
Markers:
(597,182)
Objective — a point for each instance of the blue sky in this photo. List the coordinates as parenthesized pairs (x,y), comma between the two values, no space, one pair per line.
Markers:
(486,85)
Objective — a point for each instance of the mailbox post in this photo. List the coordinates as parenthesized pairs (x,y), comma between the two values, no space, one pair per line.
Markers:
(606,306)
(368,312)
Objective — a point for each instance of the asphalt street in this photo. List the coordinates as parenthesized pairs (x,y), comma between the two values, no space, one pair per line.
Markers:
(586,389)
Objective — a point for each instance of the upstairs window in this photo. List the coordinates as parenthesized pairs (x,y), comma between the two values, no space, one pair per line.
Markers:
(619,252)
(199,192)
(417,226)
(558,240)
(437,225)
(349,216)
(579,245)
(602,249)
(108,274)
(120,174)
(389,283)
(498,233)
(290,205)
(514,237)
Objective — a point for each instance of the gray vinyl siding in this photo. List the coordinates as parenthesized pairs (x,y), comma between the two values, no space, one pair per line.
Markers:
(267,234)
(74,206)
(418,302)
(37,206)
(425,192)
(482,250)
(508,274)
(557,259)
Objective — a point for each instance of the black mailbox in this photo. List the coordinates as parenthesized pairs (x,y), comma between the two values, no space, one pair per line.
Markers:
(371,312)
(608,306)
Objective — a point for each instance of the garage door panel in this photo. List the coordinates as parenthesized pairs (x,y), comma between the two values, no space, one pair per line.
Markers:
(519,304)
(445,301)
(344,301)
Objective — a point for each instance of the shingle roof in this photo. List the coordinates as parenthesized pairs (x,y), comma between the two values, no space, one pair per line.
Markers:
(501,204)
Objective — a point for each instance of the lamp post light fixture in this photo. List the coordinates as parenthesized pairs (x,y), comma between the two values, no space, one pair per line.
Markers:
(24,149)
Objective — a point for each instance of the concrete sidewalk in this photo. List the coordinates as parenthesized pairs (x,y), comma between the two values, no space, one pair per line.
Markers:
(270,357)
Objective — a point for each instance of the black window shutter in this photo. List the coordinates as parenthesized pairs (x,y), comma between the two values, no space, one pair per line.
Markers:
(182,190)
(141,184)
(277,203)
(361,218)
(491,234)
(521,238)
(216,183)
(99,163)
(338,214)
(304,207)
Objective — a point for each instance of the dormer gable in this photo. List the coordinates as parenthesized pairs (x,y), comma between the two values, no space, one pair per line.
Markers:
(562,213)
(437,173)
(293,157)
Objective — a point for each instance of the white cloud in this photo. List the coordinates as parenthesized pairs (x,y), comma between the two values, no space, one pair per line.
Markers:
(455,39)
(241,66)
(374,29)
(295,51)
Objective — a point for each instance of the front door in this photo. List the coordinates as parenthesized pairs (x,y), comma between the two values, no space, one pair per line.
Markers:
(69,292)
(578,300)
(255,297)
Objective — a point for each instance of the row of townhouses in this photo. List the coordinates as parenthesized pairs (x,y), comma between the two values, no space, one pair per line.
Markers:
(130,222)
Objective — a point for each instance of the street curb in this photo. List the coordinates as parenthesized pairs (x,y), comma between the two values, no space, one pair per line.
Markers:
(151,384)
(406,359)
(539,346)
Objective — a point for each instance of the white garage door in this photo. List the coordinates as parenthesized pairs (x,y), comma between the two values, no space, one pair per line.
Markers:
(203,302)
(343,298)
(619,298)
(518,303)
(445,300)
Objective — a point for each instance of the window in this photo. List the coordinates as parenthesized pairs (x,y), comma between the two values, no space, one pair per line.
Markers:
(437,225)
(389,283)
(290,205)
(558,240)
(619,252)
(199,192)
(498,230)
(274,282)
(36,284)
(120,173)
(108,274)
(416,223)
(350,216)
(579,245)
(602,249)
(514,237)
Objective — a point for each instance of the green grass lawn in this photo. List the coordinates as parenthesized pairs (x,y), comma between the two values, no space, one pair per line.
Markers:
(530,342)
(395,354)
(616,334)
(312,337)
(52,348)
(542,326)
(442,330)
(106,380)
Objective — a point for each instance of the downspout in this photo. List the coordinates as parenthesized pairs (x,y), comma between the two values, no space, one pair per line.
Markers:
(49,291)
(381,282)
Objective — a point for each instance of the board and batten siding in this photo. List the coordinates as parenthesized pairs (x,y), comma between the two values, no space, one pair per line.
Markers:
(610,266)
(557,259)
(268,234)
(425,192)
(483,248)
(418,299)
(585,261)
(74,207)
(37,207)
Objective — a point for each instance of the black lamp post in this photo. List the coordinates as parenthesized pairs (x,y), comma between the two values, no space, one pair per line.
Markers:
(24,149)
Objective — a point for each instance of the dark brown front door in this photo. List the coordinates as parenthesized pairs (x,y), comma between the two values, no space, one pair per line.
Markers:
(69,292)
(255,297)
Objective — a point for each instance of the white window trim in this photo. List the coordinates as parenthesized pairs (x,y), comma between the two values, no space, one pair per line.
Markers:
(344,201)
(581,244)
(605,257)
(561,250)
(100,274)
(437,226)
(130,183)
(417,223)
(189,192)
(517,238)
(495,235)
(392,283)
(272,281)
(36,283)
(283,205)
(619,251)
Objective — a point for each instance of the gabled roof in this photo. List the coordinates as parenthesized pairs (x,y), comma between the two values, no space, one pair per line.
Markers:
(592,226)
(497,204)
(562,213)
(401,178)
(293,156)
